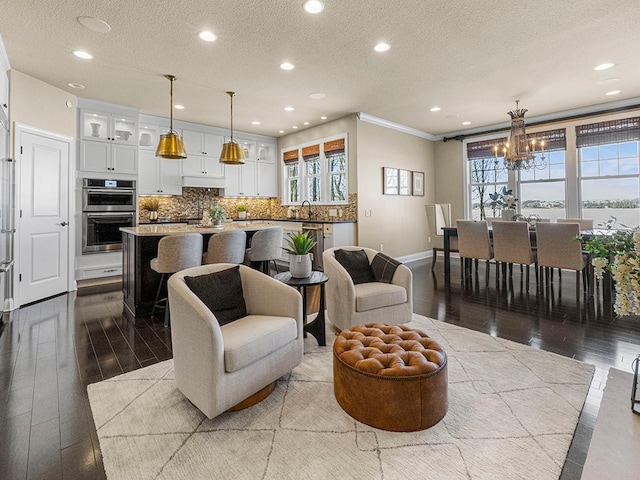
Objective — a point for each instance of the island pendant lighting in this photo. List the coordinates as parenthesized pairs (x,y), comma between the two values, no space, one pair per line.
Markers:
(171,145)
(232,153)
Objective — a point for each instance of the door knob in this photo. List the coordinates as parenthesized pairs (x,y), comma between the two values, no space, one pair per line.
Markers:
(64,224)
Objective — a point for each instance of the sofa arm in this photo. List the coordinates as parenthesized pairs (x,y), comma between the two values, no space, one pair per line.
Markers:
(404,277)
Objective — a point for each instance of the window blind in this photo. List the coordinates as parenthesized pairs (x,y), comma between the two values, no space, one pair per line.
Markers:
(553,140)
(602,133)
(291,156)
(310,152)
(483,149)
(335,146)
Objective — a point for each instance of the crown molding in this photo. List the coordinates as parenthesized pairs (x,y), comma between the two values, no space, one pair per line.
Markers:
(365,117)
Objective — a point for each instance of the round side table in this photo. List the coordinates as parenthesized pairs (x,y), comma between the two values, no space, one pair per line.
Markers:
(316,326)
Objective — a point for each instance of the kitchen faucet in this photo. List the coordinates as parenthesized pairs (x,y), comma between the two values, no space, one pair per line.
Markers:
(309,203)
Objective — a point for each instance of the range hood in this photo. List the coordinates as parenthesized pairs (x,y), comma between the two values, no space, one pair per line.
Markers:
(203,182)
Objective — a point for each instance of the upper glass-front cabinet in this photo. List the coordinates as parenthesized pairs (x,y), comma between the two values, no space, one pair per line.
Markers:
(149,135)
(109,127)
(267,152)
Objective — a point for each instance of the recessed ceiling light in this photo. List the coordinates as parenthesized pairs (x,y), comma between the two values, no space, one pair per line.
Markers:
(280,131)
(466,123)
(613,92)
(287,66)
(435,109)
(82,54)
(289,109)
(382,47)
(604,66)
(294,127)
(317,96)
(179,107)
(313,6)
(323,118)
(79,86)
(255,122)
(609,81)
(94,24)
(207,36)
(306,123)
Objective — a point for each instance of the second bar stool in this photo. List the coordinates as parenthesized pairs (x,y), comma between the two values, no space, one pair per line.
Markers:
(175,253)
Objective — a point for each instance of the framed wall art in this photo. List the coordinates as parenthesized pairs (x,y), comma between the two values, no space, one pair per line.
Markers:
(404,182)
(390,180)
(418,184)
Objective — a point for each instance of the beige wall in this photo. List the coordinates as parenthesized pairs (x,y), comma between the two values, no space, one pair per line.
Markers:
(449,181)
(40,105)
(397,222)
(346,124)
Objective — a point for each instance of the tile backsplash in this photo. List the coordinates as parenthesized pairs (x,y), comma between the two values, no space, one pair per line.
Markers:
(194,201)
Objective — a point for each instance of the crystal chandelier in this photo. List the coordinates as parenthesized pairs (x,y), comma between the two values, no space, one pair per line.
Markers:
(520,153)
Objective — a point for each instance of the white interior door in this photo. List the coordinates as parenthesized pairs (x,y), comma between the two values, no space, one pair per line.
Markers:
(43,223)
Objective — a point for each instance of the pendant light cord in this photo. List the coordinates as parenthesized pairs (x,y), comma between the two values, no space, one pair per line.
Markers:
(231,94)
(171,79)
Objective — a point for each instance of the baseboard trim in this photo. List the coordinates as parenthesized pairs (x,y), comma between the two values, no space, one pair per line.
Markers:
(415,256)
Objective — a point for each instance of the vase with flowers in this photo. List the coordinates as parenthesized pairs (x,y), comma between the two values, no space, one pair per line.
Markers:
(503,201)
(151,205)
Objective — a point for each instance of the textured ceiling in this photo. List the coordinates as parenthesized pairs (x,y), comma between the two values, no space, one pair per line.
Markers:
(472,58)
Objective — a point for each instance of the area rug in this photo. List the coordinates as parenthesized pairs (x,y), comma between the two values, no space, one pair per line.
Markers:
(512,414)
(614,447)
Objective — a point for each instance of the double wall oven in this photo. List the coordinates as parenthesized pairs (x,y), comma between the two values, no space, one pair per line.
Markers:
(107,205)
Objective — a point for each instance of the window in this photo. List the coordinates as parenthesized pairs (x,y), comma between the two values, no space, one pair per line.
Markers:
(292,177)
(609,170)
(321,177)
(487,176)
(542,190)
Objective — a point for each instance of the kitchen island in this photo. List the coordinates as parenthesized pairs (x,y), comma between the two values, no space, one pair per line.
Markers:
(140,245)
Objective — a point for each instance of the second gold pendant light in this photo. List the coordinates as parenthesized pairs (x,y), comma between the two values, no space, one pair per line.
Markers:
(171,145)
(232,153)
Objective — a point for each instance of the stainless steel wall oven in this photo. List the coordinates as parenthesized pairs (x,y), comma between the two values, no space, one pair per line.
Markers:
(107,205)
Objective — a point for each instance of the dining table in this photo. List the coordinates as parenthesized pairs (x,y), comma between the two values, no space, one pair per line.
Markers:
(451,232)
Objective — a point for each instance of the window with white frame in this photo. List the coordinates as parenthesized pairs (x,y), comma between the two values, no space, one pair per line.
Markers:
(609,170)
(542,189)
(486,176)
(320,176)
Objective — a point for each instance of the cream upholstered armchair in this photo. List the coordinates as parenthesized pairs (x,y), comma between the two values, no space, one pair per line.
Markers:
(217,367)
(349,304)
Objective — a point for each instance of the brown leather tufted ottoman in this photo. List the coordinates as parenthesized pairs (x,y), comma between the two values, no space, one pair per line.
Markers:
(390,377)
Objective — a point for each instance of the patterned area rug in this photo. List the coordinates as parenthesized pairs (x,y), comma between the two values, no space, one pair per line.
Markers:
(512,413)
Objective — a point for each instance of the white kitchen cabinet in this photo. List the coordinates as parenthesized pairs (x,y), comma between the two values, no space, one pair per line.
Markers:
(201,143)
(240,180)
(266,152)
(105,126)
(149,136)
(101,157)
(203,166)
(249,147)
(267,179)
(159,176)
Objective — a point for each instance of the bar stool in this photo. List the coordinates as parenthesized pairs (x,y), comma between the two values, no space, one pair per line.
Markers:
(175,253)
(226,247)
(266,245)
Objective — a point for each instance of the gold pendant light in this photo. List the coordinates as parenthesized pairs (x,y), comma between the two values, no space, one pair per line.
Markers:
(232,153)
(171,144)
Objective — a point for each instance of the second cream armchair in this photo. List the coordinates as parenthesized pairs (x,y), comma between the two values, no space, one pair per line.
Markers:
(372,302)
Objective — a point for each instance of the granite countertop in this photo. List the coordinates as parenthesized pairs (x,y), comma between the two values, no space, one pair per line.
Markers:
(160,229)
(299,220)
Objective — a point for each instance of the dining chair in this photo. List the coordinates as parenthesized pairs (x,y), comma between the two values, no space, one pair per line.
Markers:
(558,247)
(266,246)
(512,244)
(474,243)
(226,247)
(585,223)
(439,216)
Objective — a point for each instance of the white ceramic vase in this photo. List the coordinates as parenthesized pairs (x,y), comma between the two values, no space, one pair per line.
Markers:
(242,215)
(300,265)
(508,214)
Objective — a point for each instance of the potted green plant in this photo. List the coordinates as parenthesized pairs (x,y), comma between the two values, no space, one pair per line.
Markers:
(242,212)
(151,205)
(300,246)
(218,215)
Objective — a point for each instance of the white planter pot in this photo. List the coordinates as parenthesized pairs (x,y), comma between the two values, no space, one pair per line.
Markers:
(242,215)
(300,265)
(508,214)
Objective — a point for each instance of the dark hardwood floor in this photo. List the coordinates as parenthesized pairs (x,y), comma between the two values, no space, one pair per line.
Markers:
(51,350)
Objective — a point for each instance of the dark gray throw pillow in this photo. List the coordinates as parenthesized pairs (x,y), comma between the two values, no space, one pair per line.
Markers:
(356,263)
(221,292)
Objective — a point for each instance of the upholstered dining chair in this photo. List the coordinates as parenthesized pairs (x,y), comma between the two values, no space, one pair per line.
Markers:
(226,247)
(222,363)
(439,216)
(558,247)
(512,244)
(585,223)
(175,253)
(266,246)
(474,243)
(350,304)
